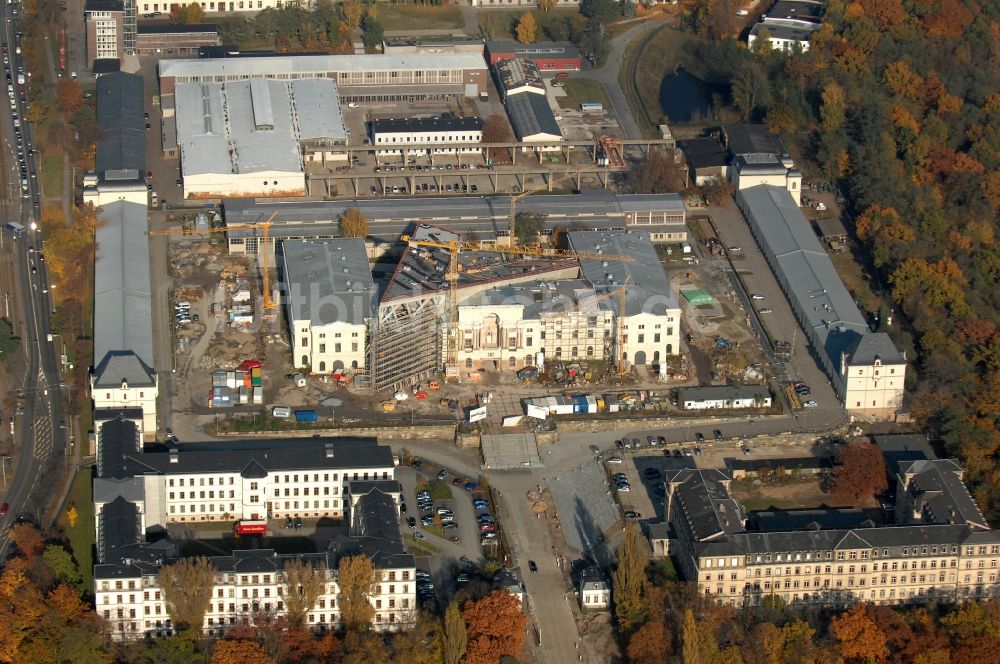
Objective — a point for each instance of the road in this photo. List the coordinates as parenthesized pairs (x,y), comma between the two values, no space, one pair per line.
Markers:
(40,430)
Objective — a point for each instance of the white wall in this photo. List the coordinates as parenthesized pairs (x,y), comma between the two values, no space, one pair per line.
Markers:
(653,335)
(321,348)
(214,185)
(874,387)
(133,397)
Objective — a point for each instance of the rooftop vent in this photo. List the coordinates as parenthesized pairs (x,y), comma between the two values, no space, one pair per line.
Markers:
(328,450)
(174,455)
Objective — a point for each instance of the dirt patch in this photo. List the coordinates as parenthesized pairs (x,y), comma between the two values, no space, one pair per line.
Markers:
(757,494)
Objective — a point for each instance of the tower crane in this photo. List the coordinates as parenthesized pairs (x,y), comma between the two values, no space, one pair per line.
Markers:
(616,355)
(263,257)
(455,247)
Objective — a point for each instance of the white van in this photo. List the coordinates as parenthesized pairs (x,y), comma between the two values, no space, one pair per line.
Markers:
(154,200)
(281,411)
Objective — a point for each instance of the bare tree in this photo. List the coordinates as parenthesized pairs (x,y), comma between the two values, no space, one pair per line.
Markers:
(187,590)
(356,577)
(303,586)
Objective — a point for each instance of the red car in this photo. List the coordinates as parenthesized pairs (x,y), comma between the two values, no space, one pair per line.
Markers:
(561,74)
(3,509)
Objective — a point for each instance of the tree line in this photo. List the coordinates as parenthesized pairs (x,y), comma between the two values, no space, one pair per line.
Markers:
(898,102)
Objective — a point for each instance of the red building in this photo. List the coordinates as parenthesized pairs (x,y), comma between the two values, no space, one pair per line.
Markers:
(547,56)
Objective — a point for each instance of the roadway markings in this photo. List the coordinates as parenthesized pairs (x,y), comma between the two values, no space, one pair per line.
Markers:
(43,438)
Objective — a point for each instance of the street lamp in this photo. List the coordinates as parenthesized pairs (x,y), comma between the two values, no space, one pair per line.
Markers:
(33,226)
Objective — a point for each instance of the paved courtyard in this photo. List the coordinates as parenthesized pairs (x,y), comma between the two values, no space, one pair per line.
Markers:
(510,451)
(584,504)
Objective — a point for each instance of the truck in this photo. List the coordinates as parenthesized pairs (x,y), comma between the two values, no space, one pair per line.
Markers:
(15,228)
(305,416)
(251,527)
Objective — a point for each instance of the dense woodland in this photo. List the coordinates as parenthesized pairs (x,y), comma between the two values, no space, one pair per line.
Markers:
(898,101)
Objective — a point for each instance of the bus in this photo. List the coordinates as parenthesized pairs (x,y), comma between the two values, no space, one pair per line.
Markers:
(592,107)
(251,527)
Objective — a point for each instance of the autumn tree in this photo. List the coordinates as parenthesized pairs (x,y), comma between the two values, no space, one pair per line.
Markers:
(527,29)
(69,95)
(28,539)
(303,586)
(690,645)
(660,172)
(527,226)
(546,5)
(187,590)
(356,578)
(352,11)
(650,644)
(860,471)
(497,130)
(352,223)
(495,627)
(240,652)
(189,14)
(860,638)
(62,565)
(454,635)
(627,581)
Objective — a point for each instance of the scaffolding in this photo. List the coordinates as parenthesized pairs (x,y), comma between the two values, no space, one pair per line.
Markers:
(405,343)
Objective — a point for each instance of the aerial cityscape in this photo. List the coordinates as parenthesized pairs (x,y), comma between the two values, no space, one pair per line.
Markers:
(468,332)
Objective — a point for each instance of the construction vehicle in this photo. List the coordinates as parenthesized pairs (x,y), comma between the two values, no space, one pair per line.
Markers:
(609,152)
(455,247)
(263,254)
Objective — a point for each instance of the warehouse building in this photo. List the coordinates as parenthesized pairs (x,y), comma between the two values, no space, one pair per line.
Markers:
(389,136)
(123,375)
(516,76)
(359,78)
(788,25)
(477,218)
(546,56)
(866,369)
(251,137)
(120,159)
(533,120)
(330,299)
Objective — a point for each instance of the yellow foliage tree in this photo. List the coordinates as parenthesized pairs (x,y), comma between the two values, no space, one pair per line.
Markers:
(72,514)
(527,29)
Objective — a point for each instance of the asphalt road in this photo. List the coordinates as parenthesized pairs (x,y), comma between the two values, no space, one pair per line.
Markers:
(40,430)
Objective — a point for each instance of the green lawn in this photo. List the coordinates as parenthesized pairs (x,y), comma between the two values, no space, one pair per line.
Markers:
(52,174)
(501,24)
(654,59)
(81,536)
(421,547)
(579,90)
(416,17)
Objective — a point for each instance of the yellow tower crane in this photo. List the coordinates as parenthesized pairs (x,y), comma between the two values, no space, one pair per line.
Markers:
(454,247)
(263,257)
(616,355)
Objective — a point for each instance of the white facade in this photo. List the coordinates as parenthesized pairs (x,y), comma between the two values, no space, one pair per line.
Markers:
(751,170)
(256,184)
(649,338)
(389,140)
(595,595)
(128,396)
(786,41)
(323,349)
(725,398)
(230,496)
(228,7)
(134,605)
(874,387)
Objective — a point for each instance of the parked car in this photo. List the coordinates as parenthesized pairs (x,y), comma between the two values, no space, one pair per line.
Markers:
(411,522)
(443,474)
(698,436)
(810,404)
(594,449)
(532,566)
(717,434)
(614,459)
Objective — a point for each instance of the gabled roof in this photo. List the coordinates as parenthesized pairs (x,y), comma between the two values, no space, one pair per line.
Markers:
(122,142)
(118,437)
(531,116)
(874,346)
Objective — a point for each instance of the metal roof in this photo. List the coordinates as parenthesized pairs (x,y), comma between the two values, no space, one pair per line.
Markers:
(388,217)
(319,65)
(814,287)
(328,281)
(938,493)
(123,318)
(515,73)
(122,142)
(317,108)
(751,139)
(535,51)
(648,289)
(531,116)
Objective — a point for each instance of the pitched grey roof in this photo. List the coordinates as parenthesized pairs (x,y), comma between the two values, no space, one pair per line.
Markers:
(123,335)
(375,532)
(531,116)
(704,152)
(709,510)
(819,298)
(751,139)
(939,494)
(272,455)
(541,297)
(817,519)
(648,288)
(117,437)
(122,142)
(132,489)
(328,281)
(874,346)
(119,527)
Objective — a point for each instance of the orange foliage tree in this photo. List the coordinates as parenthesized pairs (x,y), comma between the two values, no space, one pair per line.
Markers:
(860,638)
(495,626)
(240,652)
(861,471)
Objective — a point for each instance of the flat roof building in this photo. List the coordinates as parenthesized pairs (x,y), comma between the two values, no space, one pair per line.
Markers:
(248,136)
(176,39)
(788,25)
(391,135)
(368,77)
(104,22)
(547,56)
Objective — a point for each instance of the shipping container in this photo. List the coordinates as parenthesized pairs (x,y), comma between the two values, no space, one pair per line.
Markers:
(305,416)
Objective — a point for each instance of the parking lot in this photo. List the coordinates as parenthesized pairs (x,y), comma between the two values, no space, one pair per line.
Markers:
(585,506)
